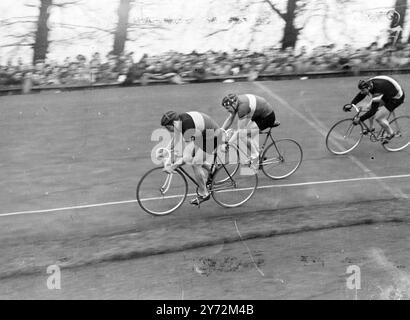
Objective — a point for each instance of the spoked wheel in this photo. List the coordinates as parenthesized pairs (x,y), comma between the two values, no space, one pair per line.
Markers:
(343,137)
(281,159)
(401,129)
(160,193)
(231,191)
(230,159)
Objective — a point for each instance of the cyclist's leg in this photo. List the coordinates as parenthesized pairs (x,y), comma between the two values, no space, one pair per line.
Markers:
(201,174)
(371,124)
(375,104)
(381,117)
(253,139)
(390,106)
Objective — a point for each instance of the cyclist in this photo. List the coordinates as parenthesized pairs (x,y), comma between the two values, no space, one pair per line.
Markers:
(386,94)
(254,114)
(200,133)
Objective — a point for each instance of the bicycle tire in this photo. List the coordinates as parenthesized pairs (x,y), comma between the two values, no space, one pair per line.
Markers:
(152,194)
(278,159)
(235,191)
(338,148)
(401,127)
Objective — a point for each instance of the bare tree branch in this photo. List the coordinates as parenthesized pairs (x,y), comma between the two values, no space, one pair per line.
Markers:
(216,32)
(17,44)
(74,26)
(19,36)
(67,3)
(5,24)
(16,18)
(275,9)
(135,26)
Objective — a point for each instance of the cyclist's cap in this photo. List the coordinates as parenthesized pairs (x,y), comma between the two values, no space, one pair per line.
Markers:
(364,84)
(230,100)
(168,118)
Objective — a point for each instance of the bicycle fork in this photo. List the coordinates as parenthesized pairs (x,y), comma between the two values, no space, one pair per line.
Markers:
(165,187)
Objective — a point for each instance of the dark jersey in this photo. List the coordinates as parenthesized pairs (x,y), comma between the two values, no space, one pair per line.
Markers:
(382,85)
(198,122)
(255,107)
(200,127)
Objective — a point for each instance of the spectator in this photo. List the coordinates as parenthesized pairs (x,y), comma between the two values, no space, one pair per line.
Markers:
(174,67)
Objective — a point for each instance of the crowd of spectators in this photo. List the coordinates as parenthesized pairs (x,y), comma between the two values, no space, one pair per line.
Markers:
(178,66)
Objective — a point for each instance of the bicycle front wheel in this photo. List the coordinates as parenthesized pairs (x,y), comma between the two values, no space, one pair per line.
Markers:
(160,193)
(401,129)
(343,137)
(232,191)
(281,158)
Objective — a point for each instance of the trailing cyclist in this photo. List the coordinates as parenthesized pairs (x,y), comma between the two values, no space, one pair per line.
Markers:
(200,134)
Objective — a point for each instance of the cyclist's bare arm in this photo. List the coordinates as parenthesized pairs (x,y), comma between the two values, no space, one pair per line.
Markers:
(176,143)
(170,167)
(358,98)
(228,122)
(242,125)
(372,109)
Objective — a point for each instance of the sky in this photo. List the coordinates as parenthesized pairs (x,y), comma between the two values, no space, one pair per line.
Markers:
(186,25)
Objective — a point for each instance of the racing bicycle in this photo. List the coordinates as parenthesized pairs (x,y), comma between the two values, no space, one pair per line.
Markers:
(344,136)
(160,193)
(278,159)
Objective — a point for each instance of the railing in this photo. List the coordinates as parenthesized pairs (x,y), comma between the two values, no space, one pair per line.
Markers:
(263,76)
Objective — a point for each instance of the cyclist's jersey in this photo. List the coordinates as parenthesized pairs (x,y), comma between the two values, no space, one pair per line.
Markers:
(385,86)
(196,124)
(257,108)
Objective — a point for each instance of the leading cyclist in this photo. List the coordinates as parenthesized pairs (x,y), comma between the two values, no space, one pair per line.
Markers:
(386,94)
(200,133)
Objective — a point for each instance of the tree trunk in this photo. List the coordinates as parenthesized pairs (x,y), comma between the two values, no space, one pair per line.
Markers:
(120,36)
(40,46)
(290,34)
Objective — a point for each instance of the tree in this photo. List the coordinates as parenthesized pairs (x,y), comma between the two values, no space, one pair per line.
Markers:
(290,32)
(34,30)
(41,42)
(120,36)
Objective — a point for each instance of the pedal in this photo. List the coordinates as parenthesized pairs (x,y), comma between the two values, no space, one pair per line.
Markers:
(365,132)
(196,205)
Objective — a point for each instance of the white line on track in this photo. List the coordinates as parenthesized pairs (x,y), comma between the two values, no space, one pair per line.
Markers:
(157,198)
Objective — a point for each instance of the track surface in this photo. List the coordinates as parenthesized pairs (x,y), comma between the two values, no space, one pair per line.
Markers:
(64,150)
(289,267)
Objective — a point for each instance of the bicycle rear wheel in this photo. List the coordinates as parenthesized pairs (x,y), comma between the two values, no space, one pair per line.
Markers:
(281,158)
(401,129)
(343,137)
(232,191)
(160,193)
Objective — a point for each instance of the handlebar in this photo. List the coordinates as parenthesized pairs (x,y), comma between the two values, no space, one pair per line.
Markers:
(358,109)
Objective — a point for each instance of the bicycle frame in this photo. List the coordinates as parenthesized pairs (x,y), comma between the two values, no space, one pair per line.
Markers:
(268,135)
(211,172)
(262,148)
(374,137)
